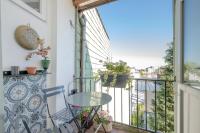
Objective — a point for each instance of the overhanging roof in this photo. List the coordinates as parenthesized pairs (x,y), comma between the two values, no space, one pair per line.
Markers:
(87,4)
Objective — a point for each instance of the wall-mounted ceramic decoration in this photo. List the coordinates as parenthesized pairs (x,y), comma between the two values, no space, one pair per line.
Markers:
(27,37)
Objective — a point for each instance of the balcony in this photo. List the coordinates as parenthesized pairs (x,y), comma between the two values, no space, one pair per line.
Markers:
(147,105)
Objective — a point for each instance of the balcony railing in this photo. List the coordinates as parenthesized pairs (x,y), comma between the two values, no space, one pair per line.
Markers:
(146,104)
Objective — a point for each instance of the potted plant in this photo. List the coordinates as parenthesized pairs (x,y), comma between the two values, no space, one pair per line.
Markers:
(31,70)
(105,119)
(43,52)
(116,74)
(83,116)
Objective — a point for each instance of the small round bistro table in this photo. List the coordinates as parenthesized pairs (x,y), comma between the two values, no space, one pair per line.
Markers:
(94,100)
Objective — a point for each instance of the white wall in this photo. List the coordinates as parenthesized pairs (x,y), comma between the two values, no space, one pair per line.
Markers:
(1,81)
(65,41)
(12,17)
(57,32)
(65,47)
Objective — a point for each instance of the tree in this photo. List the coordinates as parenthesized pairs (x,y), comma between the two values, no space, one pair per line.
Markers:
(140,121)
(165,118)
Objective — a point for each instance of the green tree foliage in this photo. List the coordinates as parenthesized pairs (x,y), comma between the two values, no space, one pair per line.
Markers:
(140,116)
(167,73)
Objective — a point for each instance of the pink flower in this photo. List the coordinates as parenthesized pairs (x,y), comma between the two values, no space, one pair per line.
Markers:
(85,114)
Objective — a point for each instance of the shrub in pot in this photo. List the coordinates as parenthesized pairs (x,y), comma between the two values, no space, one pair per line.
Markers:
(116,74)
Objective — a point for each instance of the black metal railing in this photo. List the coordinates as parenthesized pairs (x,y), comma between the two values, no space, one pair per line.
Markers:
(146,104)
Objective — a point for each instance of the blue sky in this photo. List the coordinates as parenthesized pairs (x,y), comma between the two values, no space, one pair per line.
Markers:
(139,30)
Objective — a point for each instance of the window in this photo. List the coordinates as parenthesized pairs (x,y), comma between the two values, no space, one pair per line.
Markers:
(35,7)
(192,41)
(35,4)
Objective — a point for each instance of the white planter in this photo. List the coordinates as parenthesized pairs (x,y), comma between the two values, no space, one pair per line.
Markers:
(108,127)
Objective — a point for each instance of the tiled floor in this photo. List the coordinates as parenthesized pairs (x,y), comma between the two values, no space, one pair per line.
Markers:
(116,131)
(119,129)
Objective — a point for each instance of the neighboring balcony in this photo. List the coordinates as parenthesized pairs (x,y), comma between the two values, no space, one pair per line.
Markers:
(145,105)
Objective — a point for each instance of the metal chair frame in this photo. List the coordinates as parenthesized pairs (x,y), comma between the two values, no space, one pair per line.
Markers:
(53,92)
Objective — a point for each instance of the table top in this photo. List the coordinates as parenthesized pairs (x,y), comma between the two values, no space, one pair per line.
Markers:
(89,99)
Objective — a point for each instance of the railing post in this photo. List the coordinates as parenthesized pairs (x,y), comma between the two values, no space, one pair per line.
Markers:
(108,88)
(121,106)
(90,85)
(101,91)
(85,85)
(114,106)
(155,107)
(129,104)
(165,107)
(137,105)
(146,103)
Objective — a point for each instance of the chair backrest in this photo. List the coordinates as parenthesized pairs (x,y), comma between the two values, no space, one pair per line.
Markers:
(53,91)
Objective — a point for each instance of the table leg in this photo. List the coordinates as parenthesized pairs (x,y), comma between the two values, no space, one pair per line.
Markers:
(96,112)
(88,119)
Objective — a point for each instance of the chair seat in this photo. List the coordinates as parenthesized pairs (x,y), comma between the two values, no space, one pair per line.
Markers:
(65,116)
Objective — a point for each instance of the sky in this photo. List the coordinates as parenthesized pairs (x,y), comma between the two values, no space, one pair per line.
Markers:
(139,30)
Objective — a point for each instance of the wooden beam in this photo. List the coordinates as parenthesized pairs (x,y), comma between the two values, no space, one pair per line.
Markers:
(94,4)
(88,4)
(78,2)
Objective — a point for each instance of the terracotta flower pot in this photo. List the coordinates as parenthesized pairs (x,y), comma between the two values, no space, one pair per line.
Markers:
(31,70)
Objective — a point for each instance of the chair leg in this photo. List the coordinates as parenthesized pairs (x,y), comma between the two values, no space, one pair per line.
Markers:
(60,130)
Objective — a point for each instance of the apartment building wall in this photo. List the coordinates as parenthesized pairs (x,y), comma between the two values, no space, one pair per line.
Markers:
(96,42)
(92,46)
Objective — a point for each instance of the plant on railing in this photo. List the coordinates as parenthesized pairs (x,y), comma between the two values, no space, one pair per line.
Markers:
(166,92)
(116,74)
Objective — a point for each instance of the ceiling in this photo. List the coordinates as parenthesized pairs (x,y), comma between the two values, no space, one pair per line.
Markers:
(87,4)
